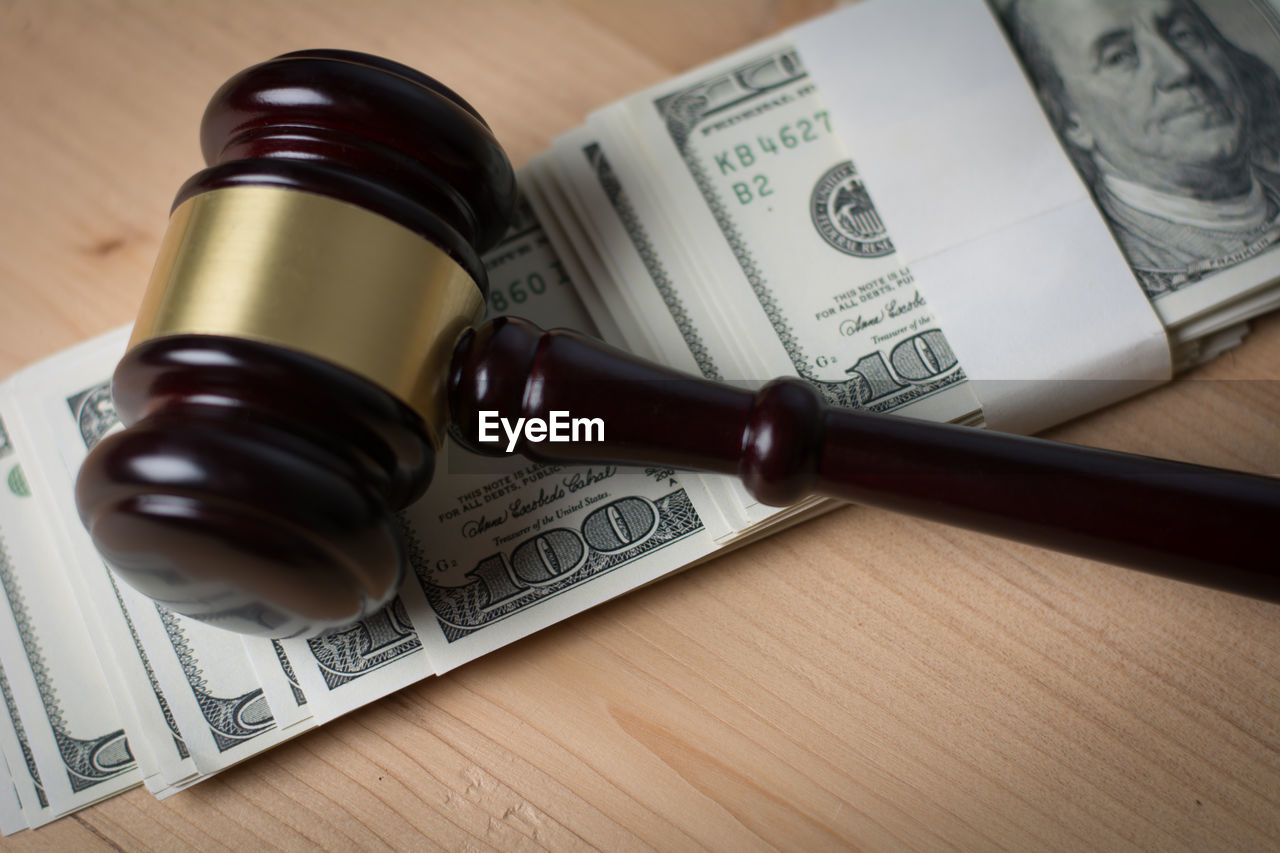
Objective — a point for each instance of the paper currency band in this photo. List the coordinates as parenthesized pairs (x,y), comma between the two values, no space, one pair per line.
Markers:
(319,276)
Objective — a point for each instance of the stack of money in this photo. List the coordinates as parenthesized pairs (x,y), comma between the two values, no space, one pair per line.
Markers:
(718,223)
(721,223)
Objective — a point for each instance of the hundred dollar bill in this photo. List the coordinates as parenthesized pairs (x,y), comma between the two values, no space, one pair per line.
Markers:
(201,682)
(21,772)
(66,718)
(738,160)
(1188,175)
(100,598)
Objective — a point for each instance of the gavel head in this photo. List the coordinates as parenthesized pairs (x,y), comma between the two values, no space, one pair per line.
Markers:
(283,391)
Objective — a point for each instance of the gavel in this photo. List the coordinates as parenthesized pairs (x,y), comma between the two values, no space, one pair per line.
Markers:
(307,337)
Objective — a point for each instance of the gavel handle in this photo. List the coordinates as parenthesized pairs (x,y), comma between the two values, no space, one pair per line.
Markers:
(1203,525)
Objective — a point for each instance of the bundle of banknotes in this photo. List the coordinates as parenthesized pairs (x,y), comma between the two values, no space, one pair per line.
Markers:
(718,223)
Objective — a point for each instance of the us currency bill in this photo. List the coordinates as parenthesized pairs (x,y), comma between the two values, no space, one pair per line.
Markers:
(200,690)
(760,240)
(1185,175)
(75,752)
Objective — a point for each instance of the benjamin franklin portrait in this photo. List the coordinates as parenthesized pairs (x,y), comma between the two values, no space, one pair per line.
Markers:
(1174,125)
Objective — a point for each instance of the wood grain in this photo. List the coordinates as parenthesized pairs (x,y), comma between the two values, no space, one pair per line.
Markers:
(860,682)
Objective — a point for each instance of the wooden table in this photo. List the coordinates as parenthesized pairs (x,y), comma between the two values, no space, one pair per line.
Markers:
(861,681)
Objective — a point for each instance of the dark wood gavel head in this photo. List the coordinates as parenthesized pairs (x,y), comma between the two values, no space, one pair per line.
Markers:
(283,391)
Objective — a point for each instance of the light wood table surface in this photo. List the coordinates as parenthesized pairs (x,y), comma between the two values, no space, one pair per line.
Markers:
(862,681)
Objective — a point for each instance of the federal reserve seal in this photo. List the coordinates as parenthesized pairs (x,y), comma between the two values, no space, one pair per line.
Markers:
(843,213)
(95,413)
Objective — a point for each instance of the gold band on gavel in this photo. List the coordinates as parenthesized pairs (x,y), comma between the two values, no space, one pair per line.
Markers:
(315,275)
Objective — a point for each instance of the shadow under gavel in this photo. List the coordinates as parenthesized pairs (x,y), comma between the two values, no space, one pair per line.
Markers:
(306,336)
